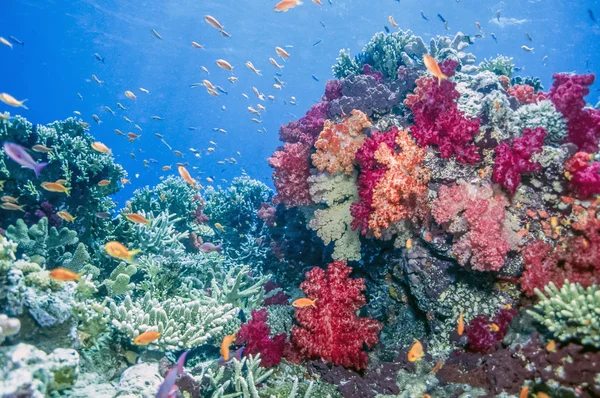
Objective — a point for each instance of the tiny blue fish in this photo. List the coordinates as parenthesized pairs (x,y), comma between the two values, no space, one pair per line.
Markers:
(387,30)
(98,57)
(16,41)
(441,18)
(423,16)
(494,37)
(317,43)
(315,78)
(221,89)
(592,17)
(322,24)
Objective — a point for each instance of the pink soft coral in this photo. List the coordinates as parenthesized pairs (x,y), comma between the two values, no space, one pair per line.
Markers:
(477,216)
(584,174)
(484,333)
(525,94)
(567,94)
(405,180)
(332,331)
(307,128)
(338,143)
(292,168)
(438,120)
(255,334)
(510,163)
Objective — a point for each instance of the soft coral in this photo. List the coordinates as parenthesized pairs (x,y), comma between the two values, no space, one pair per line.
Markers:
(255,334)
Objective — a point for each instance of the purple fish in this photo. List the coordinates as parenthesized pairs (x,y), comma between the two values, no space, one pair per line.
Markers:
(208,247)
(166,388)
(19,154)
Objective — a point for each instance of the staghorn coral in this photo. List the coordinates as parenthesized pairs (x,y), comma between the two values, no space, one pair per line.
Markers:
(333,331)
(183,324)
(569,313)
(292,169)
(476,216)
(338,143)
(333,223)
(404,181)
(118,284)
(240,289)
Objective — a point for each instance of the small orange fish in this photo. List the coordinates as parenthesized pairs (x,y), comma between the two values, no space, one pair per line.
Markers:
(461,324)
(118,250)
(524,392)
(186,176)
(221,63)
(551,346)
(437,366)
(285,5)
(11,206)
(416,352)
(41,148)
(542,394)
(137,218)
(219,227)
(10,199)
(304,302)
(103,183)
(426,396)
(125,181)
(494,327)
(54,187)
(433,67)
(65,215)
(409,243)
(63,274)
(227,340)
(100,147)
(146,338)
(132,136)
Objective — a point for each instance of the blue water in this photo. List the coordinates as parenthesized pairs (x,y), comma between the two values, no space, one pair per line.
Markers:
(61,37)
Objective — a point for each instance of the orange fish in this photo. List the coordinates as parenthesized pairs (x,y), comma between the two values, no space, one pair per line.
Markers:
(118,250)
(426,396)
(103,183)
(54,187)
(437,366)
(11,206)
(551,346)
(461,324)
(137,218)
(433,67)
(494,327)
(186,176)
(542,395)
(227,340)
(146,338)
(100,147)
(285,5)
(409,243)
(65,215)
(304,302)
(524,392)
(63,274)
(416,352)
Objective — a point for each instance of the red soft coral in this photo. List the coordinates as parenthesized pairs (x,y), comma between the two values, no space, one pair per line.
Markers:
(438,120)
(255,334)
(584,174)
(484,333)
(332,331)
(292,169)
(307,128)
(567,94)
(478,218)
(510,163)
(525,94)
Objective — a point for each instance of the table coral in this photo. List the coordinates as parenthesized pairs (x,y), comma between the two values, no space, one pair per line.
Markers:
(332,331)
(338,143)
(478,217)
(511,162)
(404,180)
(292,169)
(438,120)
(567,94)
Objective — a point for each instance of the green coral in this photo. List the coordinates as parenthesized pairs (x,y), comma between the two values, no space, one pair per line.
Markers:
(384,52)
(333,223)
(501,65)
(52,247)
(571,312)
(244,382)
(118,283)
(239,289)
(543,114)
(345,65)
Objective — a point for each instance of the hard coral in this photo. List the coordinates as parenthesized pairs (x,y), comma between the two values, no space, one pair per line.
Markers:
(567,94)
(510,163)
(332,331)
(585,174)
(292,169)
(338,143)
(438,120)
(404,181)
(478,217)
(255,334)
(307,128)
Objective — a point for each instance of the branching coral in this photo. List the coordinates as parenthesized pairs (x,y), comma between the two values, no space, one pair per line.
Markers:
(404,181)
(292,169)
(338,143)
(332,331)
(570,312)
(438,120)
(244,382)
(477,218)
(512,162)
(567,94)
